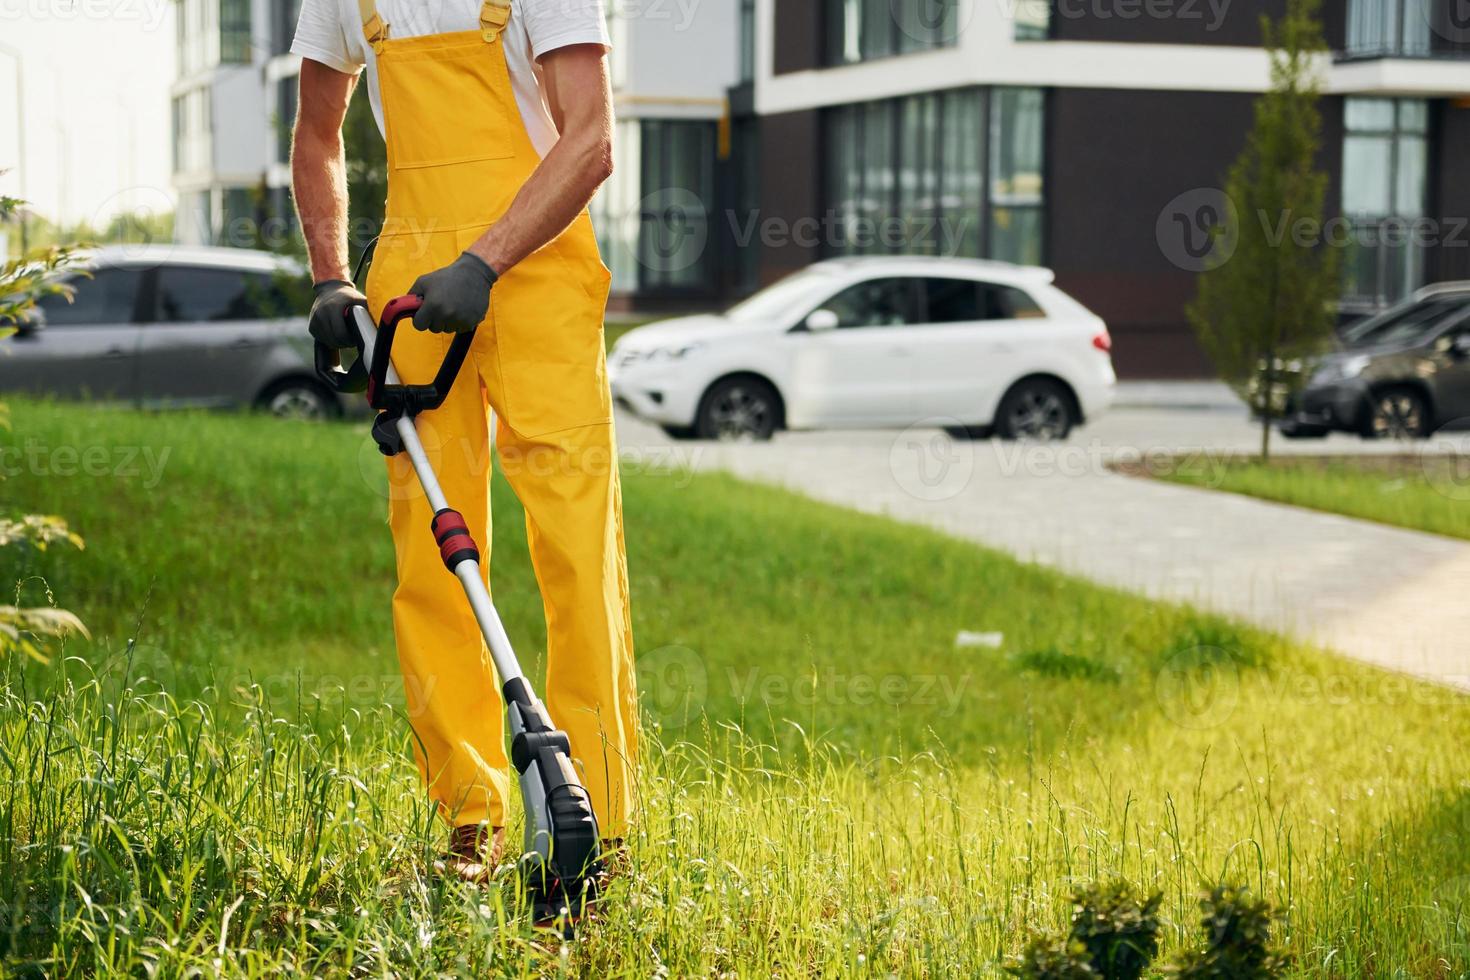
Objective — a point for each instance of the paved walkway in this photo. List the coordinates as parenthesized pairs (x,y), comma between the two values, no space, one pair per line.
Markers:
(1386,596)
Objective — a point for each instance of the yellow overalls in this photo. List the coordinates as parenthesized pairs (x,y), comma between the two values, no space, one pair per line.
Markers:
(458,152)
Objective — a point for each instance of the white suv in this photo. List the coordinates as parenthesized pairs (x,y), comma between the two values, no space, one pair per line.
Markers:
(971,346)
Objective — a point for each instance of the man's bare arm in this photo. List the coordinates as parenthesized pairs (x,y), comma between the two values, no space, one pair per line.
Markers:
(319,170)
(580,99)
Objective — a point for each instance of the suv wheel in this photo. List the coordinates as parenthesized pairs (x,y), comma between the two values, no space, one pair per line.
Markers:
(1036,409)
(299,399)
(1397,413)
(739,410)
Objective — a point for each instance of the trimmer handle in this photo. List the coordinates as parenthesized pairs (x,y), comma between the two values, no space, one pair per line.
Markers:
(392,396)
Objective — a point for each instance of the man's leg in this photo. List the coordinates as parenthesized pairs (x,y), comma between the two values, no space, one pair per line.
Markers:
(568,483)
(453,697)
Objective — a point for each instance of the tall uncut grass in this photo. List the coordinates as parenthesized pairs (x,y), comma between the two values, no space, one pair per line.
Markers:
(220,782)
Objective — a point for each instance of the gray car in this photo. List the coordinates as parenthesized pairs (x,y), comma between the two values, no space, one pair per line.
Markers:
(174,326)
(1403,373)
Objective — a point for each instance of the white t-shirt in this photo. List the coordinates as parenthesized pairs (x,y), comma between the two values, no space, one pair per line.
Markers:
(330,31)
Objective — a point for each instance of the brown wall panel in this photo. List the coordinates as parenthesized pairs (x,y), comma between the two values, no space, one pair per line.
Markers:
(790,169)
(798,35)
(1450,191)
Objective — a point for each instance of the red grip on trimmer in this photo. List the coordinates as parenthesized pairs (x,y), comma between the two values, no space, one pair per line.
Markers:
(456,544)
(398,308)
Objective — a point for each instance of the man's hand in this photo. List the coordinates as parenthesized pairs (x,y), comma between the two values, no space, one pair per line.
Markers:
(329,322)
(455,297)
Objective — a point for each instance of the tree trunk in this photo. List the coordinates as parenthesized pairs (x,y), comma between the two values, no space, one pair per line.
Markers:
(1268,407)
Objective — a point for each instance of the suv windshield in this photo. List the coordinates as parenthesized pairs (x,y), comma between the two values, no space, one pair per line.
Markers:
(791,295)
(1408,324)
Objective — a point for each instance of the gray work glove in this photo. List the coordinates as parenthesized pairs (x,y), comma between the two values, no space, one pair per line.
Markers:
(329,322)
(455,297)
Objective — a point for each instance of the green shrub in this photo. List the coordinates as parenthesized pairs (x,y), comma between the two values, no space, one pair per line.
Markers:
(1120,932)
(1055,663)
(1054,958)
(1114,936)
(1237,940)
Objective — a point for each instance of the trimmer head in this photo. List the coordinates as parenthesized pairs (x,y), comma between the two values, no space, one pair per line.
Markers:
(563,860)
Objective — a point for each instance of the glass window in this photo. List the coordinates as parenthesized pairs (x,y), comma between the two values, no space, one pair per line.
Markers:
(861,30)
(285,116)
(747,40)
(109,297)
(1008,303)
(875,303)
(927,174)
(234,31)
(962,184)
(918,175)
(677,170)
(1016,160)
(1033,20)
(188,294)
(1381,28)
(285,13)
(951,301)
(1385,169)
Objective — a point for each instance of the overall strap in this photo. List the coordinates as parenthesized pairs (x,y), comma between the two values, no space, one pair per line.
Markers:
(494,15)
(374,28)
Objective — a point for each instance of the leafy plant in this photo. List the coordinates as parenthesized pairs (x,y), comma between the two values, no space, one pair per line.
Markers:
(1237,940)
(1058,663)
(26,279)
(22,282)
(1114,936)
(1119,931)
(1269,301)
(1054,958)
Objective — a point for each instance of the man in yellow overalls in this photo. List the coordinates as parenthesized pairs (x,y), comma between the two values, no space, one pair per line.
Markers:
(498,124)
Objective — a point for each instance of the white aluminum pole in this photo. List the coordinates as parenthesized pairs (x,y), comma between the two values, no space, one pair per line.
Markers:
(468,572)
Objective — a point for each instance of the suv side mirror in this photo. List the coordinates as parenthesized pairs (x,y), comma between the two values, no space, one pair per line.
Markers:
(819,320)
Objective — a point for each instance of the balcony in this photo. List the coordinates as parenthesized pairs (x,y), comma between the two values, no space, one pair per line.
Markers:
(1407,29)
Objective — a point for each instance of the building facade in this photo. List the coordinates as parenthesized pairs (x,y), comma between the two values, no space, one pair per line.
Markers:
(235,87)
(1092,136)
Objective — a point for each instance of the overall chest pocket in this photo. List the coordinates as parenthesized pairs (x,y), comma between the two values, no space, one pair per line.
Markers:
(447,105)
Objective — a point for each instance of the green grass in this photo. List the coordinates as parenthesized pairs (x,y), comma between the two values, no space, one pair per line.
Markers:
(1425,493)
(831,786)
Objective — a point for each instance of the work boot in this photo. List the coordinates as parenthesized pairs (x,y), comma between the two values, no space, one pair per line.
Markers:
(474,851)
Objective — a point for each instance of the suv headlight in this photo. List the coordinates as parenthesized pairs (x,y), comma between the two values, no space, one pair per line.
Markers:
(1341,369)
(673,353)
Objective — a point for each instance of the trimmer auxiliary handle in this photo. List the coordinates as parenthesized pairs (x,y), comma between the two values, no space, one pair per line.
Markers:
(562,860)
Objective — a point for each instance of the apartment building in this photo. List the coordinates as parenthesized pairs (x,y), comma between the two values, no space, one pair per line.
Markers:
(1091,136)
(235,100)
(225,115)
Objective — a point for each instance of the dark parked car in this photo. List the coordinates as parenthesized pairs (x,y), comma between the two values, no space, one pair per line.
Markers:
(1403,373)
(169,325)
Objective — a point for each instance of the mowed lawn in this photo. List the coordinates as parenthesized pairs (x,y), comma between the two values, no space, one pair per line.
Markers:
(832,787)
(1429,492)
